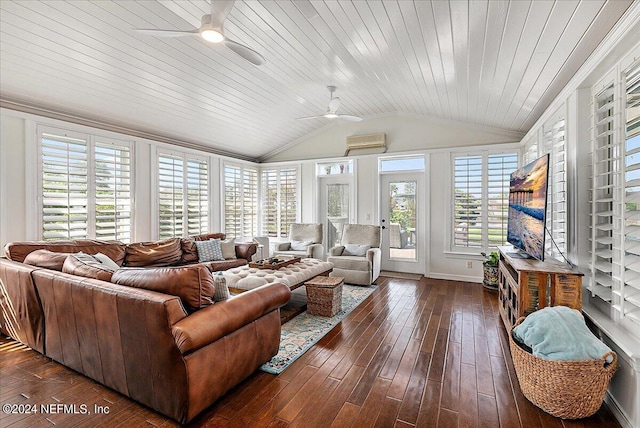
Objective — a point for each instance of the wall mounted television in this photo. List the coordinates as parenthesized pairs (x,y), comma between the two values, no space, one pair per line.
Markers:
(527,208)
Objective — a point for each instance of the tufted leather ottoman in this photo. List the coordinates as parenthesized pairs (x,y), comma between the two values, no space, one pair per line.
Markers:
(295,275)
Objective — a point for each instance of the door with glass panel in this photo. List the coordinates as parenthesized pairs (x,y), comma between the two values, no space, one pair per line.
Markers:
(336,208)
(401,221)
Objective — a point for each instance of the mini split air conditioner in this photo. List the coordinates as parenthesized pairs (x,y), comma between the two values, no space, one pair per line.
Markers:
(356,142)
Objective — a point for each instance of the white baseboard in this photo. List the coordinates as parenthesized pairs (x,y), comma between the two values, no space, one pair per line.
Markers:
(454,277)
(617,411)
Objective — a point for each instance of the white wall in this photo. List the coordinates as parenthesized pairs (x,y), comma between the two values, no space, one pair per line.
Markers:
(12,180)
(404,133)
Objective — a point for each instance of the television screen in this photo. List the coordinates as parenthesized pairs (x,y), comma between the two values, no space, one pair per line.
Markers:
(527,207)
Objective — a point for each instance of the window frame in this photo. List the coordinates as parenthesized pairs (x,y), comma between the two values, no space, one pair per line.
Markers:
(454,249)
(280,232)
(243,168)
(90,140)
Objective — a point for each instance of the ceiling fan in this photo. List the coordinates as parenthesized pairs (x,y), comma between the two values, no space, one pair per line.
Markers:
(332,109)
(212,31)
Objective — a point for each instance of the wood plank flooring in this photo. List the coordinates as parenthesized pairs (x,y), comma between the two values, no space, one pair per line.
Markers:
(426,353)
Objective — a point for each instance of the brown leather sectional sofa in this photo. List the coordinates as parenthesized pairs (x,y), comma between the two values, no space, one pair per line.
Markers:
(151,332)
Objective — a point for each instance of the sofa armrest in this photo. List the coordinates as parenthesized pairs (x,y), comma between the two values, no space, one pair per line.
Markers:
(336,251)
(283,246)
(245,250)
(220,319)
(315,251)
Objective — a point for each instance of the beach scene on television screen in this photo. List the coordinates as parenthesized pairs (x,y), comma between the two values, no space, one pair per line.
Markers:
(527,197)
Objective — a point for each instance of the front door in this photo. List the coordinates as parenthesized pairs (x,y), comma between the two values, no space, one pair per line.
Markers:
(401,219)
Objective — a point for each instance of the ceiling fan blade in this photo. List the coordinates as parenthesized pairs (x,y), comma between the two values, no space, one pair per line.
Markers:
(166,33)
(310,117)
(245,52)
(219,11)
(349,118)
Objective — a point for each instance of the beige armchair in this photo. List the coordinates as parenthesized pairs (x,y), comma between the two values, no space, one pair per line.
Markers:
(357,259)
(305,240)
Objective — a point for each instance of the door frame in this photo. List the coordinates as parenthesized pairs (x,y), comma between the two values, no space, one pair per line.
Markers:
(419,265)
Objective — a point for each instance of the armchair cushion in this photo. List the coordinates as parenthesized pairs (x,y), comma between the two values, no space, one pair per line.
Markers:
(283,246)
(355,249)
(300,245)
(336,251)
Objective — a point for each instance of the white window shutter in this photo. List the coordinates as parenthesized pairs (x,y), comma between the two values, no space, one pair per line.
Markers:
(170,195)
(197,197)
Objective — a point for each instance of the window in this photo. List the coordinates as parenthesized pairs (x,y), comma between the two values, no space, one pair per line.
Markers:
(85,186)
(333,168)
(554,144)
(183,196)
(240,200)
(481,199)
(614,283)
(402,164)
(279,200)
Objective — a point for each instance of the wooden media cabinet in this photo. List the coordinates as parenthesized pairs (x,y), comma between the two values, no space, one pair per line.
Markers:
(526,285)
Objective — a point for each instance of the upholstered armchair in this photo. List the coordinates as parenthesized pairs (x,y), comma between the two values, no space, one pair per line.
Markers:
(357,259)
(305,240)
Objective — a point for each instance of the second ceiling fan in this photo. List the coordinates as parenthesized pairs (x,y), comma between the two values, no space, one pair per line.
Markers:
(332,110)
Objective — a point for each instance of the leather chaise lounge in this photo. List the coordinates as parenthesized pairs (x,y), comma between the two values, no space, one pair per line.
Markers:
(176,353)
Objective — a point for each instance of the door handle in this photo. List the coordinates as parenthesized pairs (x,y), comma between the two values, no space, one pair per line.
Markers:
(384,227)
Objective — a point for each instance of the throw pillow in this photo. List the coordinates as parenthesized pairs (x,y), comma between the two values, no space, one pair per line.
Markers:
(105,260)
(355,249)
(228,248)
(220,284)
(300,245)
(46,259)
(209,251)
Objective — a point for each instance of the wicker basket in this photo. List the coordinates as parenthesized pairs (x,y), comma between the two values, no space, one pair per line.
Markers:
(565,389)
(324,296)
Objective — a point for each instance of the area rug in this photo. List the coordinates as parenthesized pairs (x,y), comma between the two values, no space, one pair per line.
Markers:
(401,275)
(304,331)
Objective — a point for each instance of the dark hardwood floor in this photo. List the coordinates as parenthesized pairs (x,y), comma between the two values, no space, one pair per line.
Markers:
(426,353)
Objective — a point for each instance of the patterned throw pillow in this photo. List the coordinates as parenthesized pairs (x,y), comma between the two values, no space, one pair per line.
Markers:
(220,284)
(209,250)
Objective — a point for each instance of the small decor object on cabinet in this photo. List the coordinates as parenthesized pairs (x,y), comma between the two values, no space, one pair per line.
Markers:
(490,270)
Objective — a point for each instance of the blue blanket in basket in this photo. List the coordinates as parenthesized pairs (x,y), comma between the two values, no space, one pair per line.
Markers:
(560,333)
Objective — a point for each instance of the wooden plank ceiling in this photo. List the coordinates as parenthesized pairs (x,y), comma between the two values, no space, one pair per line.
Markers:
(490,63)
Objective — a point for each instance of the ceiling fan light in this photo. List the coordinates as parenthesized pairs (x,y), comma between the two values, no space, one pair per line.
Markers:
(330,115)
(212,36)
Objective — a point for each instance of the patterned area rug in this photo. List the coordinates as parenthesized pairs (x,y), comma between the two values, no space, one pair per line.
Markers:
(304,331)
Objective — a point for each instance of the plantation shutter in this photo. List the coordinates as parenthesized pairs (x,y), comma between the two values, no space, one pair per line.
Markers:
(554,139)
(468,196)
(288,199)
(250,202)
(270,202)
(197,197)
(170,195)
(628,303)
(232,200)
(112,177)
(605,156)
(279,200)
(65,185)
(499,169)
(530,151)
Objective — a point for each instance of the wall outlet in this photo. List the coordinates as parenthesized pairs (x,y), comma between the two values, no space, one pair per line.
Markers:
(469,265)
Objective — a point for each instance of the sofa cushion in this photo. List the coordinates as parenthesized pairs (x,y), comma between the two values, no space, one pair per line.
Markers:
(193,284)
(350,263)
(210,250)
(158,253)
(46,259)
(86,266)
(207,236)
(228,248)
(17,251)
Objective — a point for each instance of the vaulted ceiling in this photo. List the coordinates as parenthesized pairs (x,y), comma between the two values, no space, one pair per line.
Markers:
(491,63)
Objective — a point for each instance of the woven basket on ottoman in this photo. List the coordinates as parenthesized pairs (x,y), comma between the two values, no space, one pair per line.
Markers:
(565,389)
(324,295)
